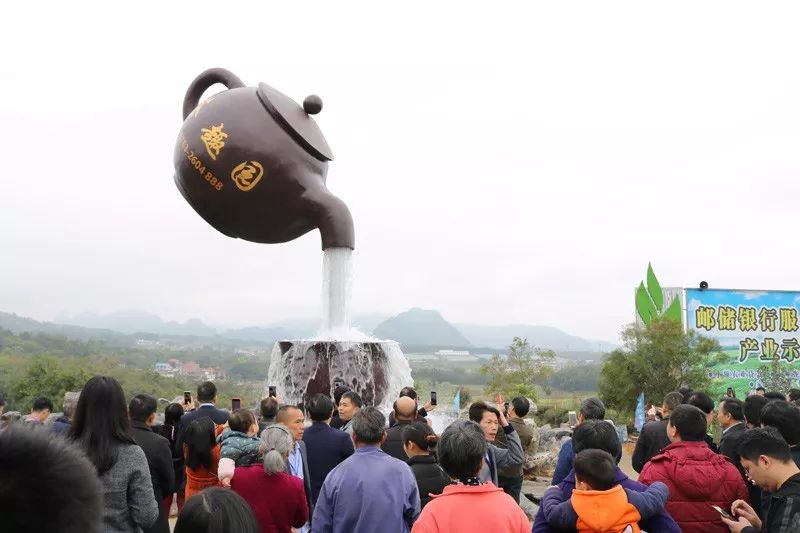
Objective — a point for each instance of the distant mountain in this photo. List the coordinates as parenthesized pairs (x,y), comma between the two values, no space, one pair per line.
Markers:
(130,322)
(298,328)
(266,335)
(18,324)
(415,328)
(135,322)
(421,326)
(540,336)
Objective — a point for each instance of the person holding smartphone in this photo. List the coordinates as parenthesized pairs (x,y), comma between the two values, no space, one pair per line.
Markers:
(422,412)
(510,478)
(491,420)
(405,412)
(767,459)
(207,396)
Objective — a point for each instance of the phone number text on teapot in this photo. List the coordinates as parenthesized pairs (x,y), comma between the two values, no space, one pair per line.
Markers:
(198,164)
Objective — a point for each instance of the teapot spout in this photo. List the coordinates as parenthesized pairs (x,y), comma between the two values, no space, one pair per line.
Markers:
(333,219)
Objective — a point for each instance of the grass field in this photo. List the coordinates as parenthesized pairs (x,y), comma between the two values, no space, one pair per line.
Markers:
(743,377)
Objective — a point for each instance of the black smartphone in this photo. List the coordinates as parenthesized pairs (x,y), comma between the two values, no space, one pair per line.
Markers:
(236,403)
(433,397)
(273,391)
(187,397)
(723,512)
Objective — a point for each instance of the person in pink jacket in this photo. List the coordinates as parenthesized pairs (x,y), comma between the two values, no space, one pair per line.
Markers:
(469,505)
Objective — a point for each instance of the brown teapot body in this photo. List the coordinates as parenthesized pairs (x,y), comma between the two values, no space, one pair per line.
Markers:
(253,164)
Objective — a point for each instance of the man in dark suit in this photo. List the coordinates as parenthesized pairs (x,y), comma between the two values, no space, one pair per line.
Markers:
(325,447)
(142,410)
(336,422)
(654,434)
(703,401)
(207,398)
(292,417)
(405,411)
(730,415)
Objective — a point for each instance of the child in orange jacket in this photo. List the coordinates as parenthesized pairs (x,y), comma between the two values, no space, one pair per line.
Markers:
(597,505)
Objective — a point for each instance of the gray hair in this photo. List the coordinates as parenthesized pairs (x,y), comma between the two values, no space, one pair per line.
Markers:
(461,449)
(70,403)
(368,424)
(276,443)
(673,400)
(593,409)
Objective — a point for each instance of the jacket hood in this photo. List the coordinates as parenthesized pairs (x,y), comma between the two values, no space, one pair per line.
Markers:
(604,510)
(694,467)
(231,434)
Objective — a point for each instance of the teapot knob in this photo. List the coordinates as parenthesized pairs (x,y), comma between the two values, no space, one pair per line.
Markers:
(312,104)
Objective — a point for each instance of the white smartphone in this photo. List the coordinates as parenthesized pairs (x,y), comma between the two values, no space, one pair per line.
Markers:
(723,512)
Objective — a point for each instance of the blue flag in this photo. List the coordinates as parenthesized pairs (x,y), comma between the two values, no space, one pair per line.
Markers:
(457,402)
(638,420)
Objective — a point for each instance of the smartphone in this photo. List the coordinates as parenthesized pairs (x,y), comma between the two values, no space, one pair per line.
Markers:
(433,397)
(723,512)
(236,403)
(573,419)
(187,397)
(273,391)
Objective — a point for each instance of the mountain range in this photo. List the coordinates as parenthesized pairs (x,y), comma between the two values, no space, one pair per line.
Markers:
(413,328)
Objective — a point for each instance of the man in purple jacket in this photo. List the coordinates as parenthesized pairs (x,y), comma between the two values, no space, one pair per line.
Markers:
(370,491)
(600,435)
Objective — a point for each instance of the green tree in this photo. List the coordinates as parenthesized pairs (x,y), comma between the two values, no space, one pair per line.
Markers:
(576,377)
(520,371)
(656,359)
(775,377)
(49,377)
(465,398)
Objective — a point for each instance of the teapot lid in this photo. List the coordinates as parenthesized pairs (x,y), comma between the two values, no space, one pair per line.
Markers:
(296,120)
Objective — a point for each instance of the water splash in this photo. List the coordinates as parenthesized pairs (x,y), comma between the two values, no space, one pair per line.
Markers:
(337,283)
(375,370)
(398,374)
(441,419)
(340,354)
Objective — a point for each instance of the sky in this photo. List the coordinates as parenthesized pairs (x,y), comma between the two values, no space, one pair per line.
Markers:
(507,163)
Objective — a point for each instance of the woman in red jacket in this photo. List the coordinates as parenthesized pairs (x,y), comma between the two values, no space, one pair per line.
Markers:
(278,499)
(697,478)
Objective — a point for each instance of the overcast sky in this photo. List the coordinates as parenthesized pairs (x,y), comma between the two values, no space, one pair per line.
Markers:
(504,163)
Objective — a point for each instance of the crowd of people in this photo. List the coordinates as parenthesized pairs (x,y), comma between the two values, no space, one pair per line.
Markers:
(110,465)
(107,465)
(747,482)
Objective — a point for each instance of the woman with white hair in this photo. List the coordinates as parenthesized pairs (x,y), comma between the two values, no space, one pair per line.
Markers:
(277,498)
(63,423)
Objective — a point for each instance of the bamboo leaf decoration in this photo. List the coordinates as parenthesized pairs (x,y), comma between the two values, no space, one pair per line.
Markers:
(674,310)
(650,301)
(654,289)
(644,305)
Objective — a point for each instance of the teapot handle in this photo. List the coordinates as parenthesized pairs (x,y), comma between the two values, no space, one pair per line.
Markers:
(204,81)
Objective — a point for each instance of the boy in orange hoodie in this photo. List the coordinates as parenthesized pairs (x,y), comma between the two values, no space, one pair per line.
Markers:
(596,504)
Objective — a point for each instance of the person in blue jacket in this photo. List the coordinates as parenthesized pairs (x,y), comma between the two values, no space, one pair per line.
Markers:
(600,435)
(591,409)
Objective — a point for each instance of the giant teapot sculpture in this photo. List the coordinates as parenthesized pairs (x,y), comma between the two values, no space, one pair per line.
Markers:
(252,163)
